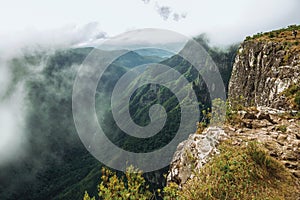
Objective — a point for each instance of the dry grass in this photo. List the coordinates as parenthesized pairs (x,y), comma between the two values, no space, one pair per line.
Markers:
(283,36)
(241,172)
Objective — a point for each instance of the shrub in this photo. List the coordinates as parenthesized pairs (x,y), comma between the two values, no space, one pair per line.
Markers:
(248,38)
(218,112)
(87,196)
(297,99)
(286,58)
(282,128)
(293,94)
(271,35)
(171,192)
(132,186)
(206,117)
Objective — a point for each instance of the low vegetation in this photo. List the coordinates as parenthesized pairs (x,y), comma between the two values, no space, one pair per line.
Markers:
(293,96)
(285,36)
(238,172)
(131,186)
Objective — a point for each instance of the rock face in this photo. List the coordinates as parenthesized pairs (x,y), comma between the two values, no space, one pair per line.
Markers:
(193,153)
(261,72)
(279,135)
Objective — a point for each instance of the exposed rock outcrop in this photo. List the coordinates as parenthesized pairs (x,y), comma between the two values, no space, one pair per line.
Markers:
(262,71)
(275,130)
(280,135)
(193,153)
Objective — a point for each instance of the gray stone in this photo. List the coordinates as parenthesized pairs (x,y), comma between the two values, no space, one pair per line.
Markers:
(193,153)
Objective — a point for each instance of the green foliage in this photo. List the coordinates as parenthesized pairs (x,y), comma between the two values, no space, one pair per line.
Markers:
(87,196)
(286,58)
(206,116)
(297,99)
(171,192)
(293,94)
(271,35)
(281,128)
(131,187)
(218,112)
(215,117)
(248,38)
(237,103)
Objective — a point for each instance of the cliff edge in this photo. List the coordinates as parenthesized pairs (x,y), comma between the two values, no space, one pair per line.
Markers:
(266,66)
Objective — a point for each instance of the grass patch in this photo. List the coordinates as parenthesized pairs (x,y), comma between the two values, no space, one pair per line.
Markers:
(293,95)
(281,128)
(241,172)
(284,36)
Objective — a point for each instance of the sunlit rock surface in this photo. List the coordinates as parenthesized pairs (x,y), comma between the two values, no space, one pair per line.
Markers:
(193,153)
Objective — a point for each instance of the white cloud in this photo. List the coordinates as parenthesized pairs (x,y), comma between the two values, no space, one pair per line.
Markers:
(231,19)
(63,37)
(12,134)
(145,38)
(12,107)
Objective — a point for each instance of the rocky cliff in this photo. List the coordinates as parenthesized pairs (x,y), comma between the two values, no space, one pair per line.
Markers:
(264,102)
(266,65)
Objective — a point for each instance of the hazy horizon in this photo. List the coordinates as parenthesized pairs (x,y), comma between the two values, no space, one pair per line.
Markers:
(69,22)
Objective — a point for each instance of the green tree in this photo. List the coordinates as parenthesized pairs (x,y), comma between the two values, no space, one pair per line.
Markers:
(132,186)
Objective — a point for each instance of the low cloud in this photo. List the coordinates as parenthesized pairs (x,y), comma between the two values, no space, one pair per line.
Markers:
(12,136)
(63,37)
(13,139)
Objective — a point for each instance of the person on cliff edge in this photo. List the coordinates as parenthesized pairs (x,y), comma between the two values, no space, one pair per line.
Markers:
(295,33)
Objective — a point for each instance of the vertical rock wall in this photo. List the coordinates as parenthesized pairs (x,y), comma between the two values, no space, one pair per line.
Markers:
(261,72)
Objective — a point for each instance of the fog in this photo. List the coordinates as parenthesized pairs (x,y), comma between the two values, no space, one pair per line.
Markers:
(13,138)
(13,105)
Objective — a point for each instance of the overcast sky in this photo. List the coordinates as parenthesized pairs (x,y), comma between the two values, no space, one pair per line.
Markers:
(226,21)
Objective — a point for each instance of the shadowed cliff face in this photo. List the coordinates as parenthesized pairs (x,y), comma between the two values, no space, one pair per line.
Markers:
(262,71)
